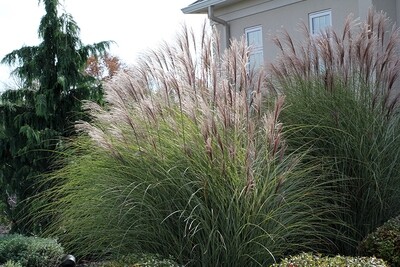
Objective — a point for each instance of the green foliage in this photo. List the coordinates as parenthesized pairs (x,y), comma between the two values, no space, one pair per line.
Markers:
(3,217)
(30,251)
(184,163)
(35,118)
(342,106)
(312,260)
(11,264)
(384,242)
(141,260)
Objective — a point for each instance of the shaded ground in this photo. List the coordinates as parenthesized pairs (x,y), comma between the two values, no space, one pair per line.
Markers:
(4,229)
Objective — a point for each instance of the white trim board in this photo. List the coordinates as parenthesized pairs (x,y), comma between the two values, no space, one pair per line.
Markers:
(259,8)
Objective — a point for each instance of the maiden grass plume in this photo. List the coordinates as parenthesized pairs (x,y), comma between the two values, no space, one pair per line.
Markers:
(185,161)
(342,105)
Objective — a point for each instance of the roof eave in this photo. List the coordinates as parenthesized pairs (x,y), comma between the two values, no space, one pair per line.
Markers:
(201,7)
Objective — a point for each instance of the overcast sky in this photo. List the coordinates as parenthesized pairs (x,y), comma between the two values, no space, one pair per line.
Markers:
(134,25)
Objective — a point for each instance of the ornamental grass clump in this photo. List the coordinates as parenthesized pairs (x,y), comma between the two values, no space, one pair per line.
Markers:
(342,105)
(184,162)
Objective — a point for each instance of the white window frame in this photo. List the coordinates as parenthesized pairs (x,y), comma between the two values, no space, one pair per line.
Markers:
(319,14)
(255,49)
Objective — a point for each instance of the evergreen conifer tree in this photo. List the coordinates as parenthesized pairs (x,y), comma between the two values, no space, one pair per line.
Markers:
(35,119)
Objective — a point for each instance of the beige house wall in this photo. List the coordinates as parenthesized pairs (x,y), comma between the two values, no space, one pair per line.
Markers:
(387,6)
(275,15)
(398,12)
(363,7)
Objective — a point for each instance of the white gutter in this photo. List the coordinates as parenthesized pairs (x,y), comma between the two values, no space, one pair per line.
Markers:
(208,6)
(222,22)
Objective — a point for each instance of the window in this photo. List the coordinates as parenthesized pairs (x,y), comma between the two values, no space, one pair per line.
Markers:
(320,21)
(255,42)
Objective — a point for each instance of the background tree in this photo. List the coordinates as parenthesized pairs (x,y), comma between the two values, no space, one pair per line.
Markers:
(104,67)
(35,119)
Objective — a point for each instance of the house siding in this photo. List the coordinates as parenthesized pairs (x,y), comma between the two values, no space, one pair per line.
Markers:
(290,14)
(388,6)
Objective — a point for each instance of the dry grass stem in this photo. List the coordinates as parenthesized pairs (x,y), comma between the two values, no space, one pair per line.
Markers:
(364,55)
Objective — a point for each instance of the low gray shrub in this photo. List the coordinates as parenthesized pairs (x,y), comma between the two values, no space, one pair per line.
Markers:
(11,264)
(313,260)
(29,251)
(141,259)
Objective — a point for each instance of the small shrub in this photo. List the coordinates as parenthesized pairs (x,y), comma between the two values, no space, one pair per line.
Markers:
(312,260)
(140,259)
(29,251)
(11,264)
(384,242)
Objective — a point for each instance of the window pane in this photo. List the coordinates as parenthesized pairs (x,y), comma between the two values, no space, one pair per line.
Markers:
(315,25)
(256,60)
(254,38)
(319,21)
(327,20)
